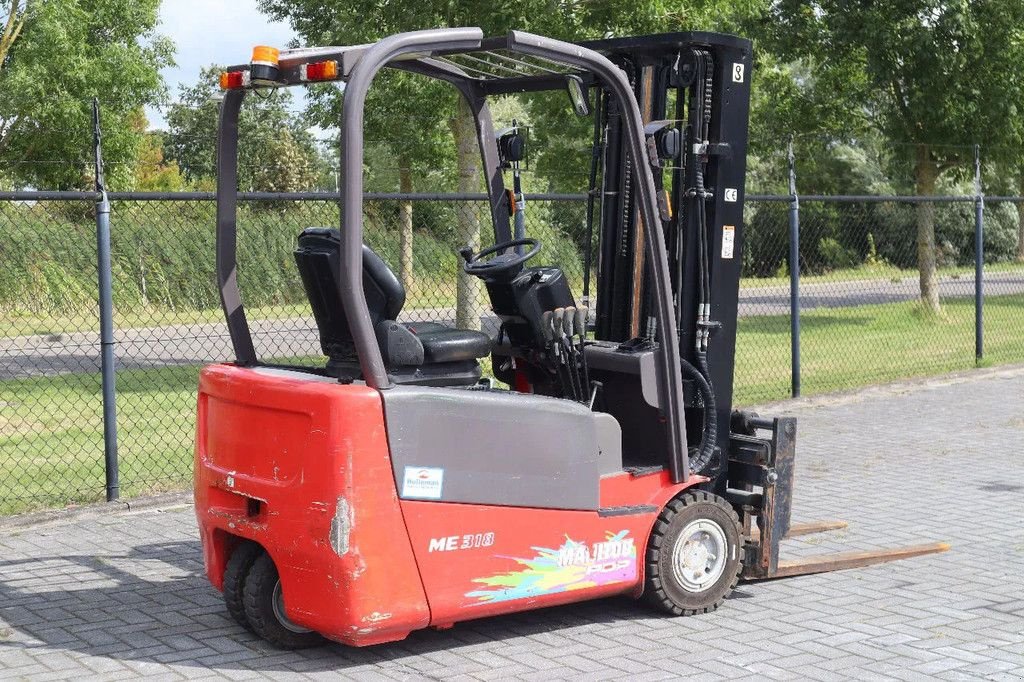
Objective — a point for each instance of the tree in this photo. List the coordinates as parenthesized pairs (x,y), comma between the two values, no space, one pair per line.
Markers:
(429,105)
(152,172)
(276,152)
(941,75)
(66,53)
(13,21)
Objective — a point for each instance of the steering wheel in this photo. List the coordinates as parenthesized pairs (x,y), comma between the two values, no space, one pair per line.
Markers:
(506,265)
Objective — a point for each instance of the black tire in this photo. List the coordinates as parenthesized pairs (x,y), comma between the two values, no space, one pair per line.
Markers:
(262,587)
(679,590)
(234,579)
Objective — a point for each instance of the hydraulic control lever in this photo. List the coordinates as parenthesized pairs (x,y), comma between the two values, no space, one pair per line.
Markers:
(565,333)
(548,326)
(572,360)
(558,346)
(582,314)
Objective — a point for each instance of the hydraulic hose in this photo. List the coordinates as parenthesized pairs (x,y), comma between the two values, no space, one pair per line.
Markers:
(706,451)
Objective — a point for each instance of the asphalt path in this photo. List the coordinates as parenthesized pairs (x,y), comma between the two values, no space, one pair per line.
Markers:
(163,346)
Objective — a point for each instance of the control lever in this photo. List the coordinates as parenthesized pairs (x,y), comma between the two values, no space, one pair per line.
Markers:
(558,343)
(581,323)
(568,321)
(556,330)
(572,362)
(582,315)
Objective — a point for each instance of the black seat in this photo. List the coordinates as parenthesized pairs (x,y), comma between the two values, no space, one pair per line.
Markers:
(445,344)
(424,353)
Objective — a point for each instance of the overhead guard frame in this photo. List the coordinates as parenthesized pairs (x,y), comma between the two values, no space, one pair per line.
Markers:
(417,51)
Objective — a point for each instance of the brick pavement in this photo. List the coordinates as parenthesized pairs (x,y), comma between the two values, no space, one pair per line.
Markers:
(120,596)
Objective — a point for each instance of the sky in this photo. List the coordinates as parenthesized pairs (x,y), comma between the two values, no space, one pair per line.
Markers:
(213,32)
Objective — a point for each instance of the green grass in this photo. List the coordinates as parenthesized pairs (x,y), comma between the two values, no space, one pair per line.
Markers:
(844,348)
(881,272)
(51,436)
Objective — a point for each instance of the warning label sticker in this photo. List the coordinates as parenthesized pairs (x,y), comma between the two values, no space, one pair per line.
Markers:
(424,483)
(728,240)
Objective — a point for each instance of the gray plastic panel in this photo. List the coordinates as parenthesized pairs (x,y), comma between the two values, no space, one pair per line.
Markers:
(495,447)
(642,364)
(609,439)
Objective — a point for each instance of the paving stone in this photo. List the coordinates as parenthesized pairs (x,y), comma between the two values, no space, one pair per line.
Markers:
(125,597)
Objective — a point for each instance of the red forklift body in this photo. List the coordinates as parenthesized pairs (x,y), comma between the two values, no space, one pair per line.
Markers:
(285,463)
(302,467)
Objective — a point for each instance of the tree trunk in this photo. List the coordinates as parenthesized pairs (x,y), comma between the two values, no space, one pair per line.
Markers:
(11,27)
(926,172)
(467,307)
(405,226)
(1020,219)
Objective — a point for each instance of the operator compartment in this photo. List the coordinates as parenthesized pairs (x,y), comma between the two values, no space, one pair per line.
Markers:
(414,353)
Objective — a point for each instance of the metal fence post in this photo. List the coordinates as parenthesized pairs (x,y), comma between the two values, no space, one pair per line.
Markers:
(979,260)
(794,275)
(106,317)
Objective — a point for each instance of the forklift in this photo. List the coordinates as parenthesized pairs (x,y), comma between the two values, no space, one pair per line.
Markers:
(392,489)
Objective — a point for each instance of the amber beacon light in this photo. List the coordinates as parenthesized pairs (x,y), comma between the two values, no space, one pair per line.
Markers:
(264,66)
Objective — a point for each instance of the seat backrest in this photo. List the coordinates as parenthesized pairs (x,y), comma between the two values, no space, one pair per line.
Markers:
(317,256)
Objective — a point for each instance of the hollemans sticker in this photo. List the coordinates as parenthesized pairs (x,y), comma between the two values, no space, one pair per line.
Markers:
(573,566)
(424,483)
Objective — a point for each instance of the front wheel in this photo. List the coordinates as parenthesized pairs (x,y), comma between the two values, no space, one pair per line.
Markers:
(693,555)
(264,609)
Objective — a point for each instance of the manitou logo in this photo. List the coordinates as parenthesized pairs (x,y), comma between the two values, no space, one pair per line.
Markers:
(600,556)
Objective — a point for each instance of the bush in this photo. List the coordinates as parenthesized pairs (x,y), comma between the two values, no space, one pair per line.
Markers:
(766,240)
(835,256)
(163,253)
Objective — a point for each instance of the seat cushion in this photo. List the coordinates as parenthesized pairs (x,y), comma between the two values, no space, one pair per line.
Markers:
(445,344)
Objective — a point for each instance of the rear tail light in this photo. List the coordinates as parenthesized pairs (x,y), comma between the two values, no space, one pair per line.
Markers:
(234,80)
(319,71)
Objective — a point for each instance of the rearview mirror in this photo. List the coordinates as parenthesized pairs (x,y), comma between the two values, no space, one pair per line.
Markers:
(578,95)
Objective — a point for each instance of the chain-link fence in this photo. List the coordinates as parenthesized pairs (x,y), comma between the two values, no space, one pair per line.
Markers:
(862,316)
(860,311)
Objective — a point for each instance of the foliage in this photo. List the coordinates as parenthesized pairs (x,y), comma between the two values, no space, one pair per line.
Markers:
(12,21)
(932,70)
(152,172)
(834,255)
(408,115)
(276,150)
(837,236)
(70,51)
(162,254)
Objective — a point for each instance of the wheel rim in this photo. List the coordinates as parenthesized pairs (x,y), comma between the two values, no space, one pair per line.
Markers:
(278,602)
(699,555)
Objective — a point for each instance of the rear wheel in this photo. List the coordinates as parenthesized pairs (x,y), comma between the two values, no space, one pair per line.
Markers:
(264,608)
(693,556)
(241,561)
